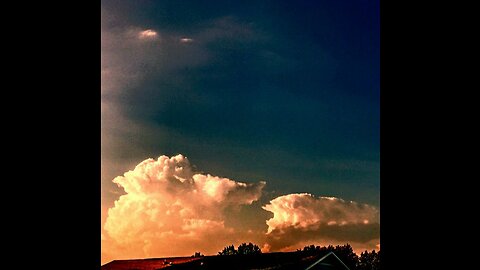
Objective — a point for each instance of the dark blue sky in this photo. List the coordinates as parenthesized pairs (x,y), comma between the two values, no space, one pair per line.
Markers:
(282,91)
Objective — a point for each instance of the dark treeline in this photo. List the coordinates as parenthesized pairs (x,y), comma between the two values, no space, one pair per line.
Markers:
(366,260)
(243,249)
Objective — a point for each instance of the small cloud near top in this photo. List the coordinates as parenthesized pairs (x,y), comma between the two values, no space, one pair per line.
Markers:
(148,34)
(186,40)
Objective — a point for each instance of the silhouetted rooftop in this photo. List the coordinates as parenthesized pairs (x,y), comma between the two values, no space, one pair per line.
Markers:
(278,260)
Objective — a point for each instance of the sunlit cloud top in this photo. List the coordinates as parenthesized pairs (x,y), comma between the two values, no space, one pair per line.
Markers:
(186,40)
(148,34)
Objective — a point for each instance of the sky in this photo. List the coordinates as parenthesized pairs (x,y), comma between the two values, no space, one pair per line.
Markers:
(239,120)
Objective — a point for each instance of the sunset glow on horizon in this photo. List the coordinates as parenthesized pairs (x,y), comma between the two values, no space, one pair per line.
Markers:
(167,201)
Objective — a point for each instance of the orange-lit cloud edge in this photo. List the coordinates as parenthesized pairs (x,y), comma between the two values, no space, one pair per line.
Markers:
(171,210)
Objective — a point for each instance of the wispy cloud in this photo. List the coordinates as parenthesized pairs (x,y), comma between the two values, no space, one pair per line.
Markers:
(148,64)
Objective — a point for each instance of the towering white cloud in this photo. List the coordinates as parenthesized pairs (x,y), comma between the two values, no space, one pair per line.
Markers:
(169,209)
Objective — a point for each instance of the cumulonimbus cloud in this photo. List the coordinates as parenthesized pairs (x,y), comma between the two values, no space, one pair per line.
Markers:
(300,219)
(170,209)
(304,210)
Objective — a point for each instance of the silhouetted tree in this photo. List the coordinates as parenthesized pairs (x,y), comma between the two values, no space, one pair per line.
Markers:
(197,254)
(369,261)
(346,254)
(248,249)
(228,250)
